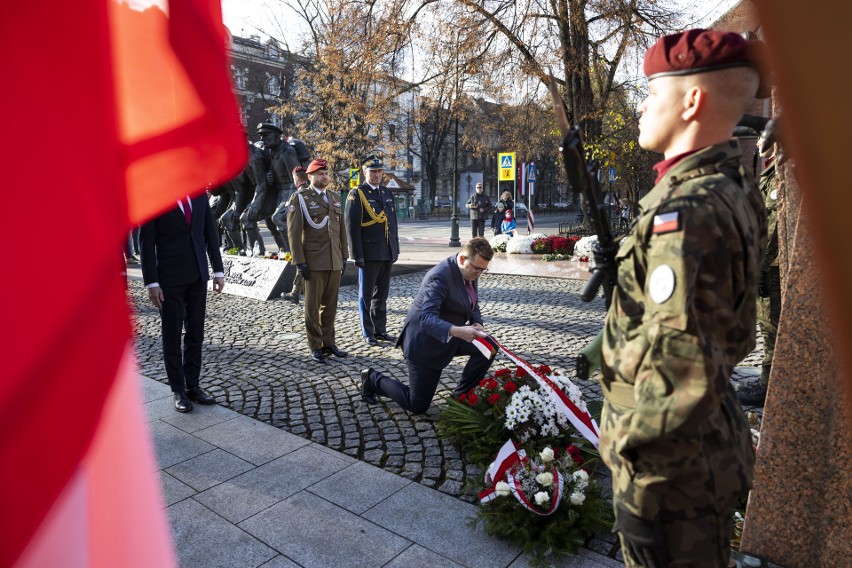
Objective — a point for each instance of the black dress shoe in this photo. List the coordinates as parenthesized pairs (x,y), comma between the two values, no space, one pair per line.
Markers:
(196,394)
(335,351)
(182,403)
(291,297)
(371,341)
(318,356)
(368,393)
(385,337)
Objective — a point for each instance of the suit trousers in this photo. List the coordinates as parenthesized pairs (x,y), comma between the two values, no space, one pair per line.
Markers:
(373,290)
(417,398)
(183,307)
(477,227)
(321,307)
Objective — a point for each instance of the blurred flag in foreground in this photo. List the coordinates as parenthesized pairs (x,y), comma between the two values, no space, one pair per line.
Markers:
(112,111)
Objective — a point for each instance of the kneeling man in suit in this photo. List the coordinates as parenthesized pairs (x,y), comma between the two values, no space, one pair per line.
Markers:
(441,324)
(175,248)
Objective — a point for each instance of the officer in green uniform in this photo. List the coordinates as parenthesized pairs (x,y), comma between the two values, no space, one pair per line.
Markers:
(753,391)
(372,231)
(318,245)
(683,310)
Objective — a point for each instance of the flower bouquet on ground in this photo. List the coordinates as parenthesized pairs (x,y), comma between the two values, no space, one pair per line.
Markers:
(545,503)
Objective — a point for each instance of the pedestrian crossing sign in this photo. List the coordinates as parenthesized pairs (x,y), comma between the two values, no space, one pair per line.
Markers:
(506,166)
(354,174)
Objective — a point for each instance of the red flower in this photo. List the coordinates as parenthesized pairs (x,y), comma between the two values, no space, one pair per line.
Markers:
(503,373)
(510,387)
(544,369)
(463,397)
(483,382)
(493,398)
(472,399)
(573,450)
(521,372)
(578,460)
(492,385)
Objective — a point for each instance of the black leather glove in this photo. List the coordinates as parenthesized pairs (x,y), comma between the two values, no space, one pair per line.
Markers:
(581,363)
(343,270)
(359,262)
(642,538)
(303,269)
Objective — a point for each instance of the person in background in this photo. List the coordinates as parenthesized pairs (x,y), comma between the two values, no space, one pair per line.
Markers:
(497,218)
(479,205)
(509,226)
(300,180)
(507,201)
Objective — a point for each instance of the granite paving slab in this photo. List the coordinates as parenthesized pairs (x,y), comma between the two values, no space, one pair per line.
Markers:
(260,488)
(201,417)
(205,471)
(359,487)
(173,445)
(280,562)
(174,490)
(205,540)
(441,524)
(251,440)
(316,533)
(416,556)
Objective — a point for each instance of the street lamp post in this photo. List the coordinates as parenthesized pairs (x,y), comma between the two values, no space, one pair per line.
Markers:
(454,218)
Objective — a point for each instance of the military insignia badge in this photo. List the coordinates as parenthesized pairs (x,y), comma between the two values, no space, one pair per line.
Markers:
(336,203)
(666,222)
(292,208)
(662,283)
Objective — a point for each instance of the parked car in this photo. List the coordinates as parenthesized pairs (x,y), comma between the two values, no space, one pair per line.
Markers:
(561,205)
(520,210)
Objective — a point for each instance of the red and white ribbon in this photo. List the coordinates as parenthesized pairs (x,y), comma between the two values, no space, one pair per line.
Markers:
(580,419)
(518,492)
(507,458)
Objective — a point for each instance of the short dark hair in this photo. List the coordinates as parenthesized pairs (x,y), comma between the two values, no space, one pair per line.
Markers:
(478,246)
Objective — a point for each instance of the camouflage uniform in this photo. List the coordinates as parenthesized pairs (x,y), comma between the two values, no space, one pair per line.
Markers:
(769,298)
(682,315)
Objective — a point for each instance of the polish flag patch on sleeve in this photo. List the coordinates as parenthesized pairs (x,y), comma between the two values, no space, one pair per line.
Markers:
(666,222)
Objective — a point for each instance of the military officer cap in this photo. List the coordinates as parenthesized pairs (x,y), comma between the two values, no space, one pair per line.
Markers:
(373,162)
(298,170)
(700,51)
(265,127)
(316,165)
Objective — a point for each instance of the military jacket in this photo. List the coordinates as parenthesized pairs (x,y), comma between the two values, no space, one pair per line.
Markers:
(371,224)
(682,315)
(315,230)
(768,186)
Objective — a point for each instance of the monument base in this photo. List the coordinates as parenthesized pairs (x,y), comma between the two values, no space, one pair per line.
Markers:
(258,278)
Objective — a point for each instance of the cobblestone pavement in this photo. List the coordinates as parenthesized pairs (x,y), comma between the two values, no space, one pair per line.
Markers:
(256,362)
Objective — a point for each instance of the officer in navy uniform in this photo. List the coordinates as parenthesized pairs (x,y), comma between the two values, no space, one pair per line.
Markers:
(374,246)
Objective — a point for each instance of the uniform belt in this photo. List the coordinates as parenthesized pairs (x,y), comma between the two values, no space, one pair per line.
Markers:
(619,393)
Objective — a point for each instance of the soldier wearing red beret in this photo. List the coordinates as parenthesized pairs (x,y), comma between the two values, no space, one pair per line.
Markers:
(319,248)
(683,310)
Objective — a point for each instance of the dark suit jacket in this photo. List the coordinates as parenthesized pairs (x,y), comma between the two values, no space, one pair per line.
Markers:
(441,302)
(174,253)
(370,243)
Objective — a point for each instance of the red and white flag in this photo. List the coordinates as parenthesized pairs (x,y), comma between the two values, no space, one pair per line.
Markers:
(141,112)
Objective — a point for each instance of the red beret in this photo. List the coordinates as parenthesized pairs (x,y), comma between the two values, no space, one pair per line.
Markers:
(298,170)
(318,164)
(699,51)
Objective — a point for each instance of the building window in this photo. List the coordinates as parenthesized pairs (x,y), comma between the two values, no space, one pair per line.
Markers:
(272,52)
(273,87)
(240,79)
(244,115)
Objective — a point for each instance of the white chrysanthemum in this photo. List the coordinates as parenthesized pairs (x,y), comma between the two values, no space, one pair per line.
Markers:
(498,242)
(585,247)
(542,497)
(520,245)
(577,498)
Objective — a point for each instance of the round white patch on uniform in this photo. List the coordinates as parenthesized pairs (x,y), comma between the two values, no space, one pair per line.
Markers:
(773,194)
(662,283)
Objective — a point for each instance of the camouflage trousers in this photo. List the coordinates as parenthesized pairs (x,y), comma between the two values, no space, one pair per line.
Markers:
(768,313)
(704,542)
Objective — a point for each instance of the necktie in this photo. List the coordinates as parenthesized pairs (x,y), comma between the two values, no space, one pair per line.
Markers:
(471,293)
(187,211)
